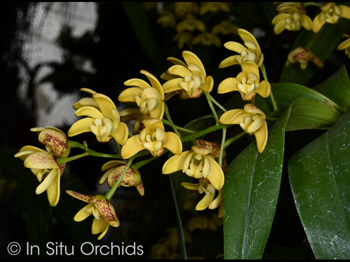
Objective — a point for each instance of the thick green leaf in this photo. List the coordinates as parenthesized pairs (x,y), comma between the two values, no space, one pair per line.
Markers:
(250,195)
(312,114)
(337,88)
(320,182)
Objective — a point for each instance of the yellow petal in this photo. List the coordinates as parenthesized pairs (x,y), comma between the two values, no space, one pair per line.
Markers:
(216,176)
(40,160)
(228,85)
(343,45)
(264,89)
(205,202)
(229,61)
(191,58)
(111,164)
(155,82)
(257,123)
(279,27)
(248,37)
(172,85)
(250,67)
(175,163)
(129,94)
(344,11)
(47,181)
(236,47)
(53,191)
(158,112)
(106,105)
(132,146)
(137,82)
(261,137)
(176,61)
(82,214)
(86,101)
(180,71)
(103,233)
(217,201)
(250,108)
(87,90)
(317,23)
(140,188)
(90,112)
(121,134)
(173,143)
(107,211)
(99,225)
(208,85)
(190,186)
(82,197)
(232,117)
(306,22)
(81,126)
(105,176)
(26,151)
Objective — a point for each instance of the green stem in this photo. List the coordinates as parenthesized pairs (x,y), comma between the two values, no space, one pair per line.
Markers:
(218,104)
(166,110)
(311,4)
(222,145)
(75,144)
(274,104)
(272,118)
(111,192)
(203,132)
(208,96)
(232,139)
(178,127)
(63,160)
(140,164)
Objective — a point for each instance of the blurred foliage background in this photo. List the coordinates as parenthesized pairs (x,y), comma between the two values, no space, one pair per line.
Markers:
(127,38)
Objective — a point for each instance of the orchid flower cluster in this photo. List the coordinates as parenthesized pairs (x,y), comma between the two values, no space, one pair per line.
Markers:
(205,161)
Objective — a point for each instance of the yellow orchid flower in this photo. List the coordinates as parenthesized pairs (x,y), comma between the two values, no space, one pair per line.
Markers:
(247,83)
(303,56)
(330,13)
(213,7)
(345,45)
(183,38)
(207,39)
(292,19)
(225,27)
(134,113)
(251,52)
(167,19)
(252,121)
(153,138)
(149,98)
(131,178)
(283,5)
(190,23)
(103,119)
(197,163)
(102,210)
(46,169)
(190,78)
(208,201)
(184,8)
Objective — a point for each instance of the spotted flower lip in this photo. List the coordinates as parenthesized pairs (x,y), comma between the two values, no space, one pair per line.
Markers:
(149,98)
(330,13)
(197,163)
(115,168)
(153,138)
(303,56)
(252,121)
(191,78)
(250,52)
(102,210)
(247,83)
(291,18)
(208,201)
(103,119)
(46,169)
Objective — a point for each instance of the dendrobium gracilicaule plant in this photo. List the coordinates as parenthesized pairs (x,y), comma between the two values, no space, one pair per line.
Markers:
(241,188)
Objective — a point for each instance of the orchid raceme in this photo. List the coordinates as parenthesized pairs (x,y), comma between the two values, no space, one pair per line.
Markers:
(208,201)
(247,83)
(303,56)
(103,119)
(197,163)
(345,45)
(330,13)
(149,98)
(46,169)
(292,19)
(250,52)
(252,121)
(213,7)
(190,23)
(54,139)
(190,78)
(115,168)
(153,138)
(102,210)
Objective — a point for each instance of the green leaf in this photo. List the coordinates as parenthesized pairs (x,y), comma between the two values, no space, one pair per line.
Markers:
(250,195)
(320,181)
(337,88)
